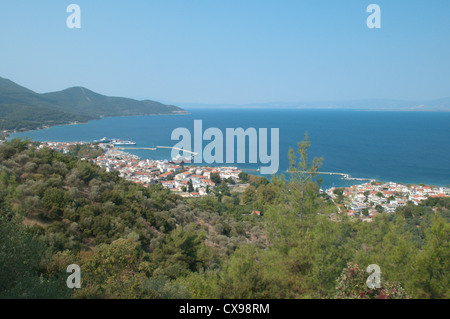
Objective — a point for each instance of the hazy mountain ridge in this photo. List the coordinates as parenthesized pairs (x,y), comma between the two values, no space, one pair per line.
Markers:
(441,105)
(22,108)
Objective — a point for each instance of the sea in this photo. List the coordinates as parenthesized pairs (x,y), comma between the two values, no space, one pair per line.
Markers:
(403,147)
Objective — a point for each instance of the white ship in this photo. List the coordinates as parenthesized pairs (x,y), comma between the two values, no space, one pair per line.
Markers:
(123,143)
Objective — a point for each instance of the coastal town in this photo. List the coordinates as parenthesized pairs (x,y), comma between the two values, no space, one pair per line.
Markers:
(367,200)
(362,201)
(181,178)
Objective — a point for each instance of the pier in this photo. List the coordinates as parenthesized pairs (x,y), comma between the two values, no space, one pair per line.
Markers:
(155,148)
(136,148)
(179,149)
(344,176)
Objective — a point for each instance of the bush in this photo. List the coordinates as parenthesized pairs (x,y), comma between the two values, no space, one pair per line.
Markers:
(352,285)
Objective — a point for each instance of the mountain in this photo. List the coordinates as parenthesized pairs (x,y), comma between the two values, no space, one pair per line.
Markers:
(94,104)
(439,105)
(22,108)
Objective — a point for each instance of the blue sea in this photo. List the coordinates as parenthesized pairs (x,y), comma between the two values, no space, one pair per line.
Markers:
(405,147)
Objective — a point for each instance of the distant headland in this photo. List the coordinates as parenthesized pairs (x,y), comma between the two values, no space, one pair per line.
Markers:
(23,109)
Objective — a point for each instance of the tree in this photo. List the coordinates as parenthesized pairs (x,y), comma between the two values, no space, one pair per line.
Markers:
(301,175)
(432,276)
(266,194)
(243,177)
(20,258)
(113,271)
(249,195)
(309,247)
(54,201)
(352,285)
(181,252)
(243,277)
(86,170)
(190,187)
(231,181)
(215,178)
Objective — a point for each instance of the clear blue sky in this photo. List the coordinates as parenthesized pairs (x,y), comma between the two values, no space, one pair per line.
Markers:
(230,51)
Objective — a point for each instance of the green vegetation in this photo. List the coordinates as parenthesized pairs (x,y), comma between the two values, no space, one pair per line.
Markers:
(136,242)
(23,109)
(215,178)
(25,117)
(353,276)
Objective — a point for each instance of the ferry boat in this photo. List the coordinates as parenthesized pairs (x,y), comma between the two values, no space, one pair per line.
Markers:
(123,143)
(103,140)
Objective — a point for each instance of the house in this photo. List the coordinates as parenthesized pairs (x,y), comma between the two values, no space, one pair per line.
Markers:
(164,176)
(373,213)
(181,183)
(168,184)
(174,168)
(202,191)
(208,182)
(182,176)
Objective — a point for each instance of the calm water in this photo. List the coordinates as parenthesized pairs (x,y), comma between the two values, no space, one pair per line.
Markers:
(407,147)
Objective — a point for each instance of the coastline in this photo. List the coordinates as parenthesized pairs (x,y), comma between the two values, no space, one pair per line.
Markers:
(332,147)
(362,201)
(343,176)
(9,132)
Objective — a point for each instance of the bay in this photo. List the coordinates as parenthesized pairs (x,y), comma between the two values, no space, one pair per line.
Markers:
(405,147)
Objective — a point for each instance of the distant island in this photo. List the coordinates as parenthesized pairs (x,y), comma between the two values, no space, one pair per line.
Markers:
(438,105)
(23,109)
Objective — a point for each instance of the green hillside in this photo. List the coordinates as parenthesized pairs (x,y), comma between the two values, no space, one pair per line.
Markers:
(12,93)
(93,104)
(21,108)
(25,117)
(136,242)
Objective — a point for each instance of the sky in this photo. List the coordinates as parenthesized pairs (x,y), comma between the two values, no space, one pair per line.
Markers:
(233,51)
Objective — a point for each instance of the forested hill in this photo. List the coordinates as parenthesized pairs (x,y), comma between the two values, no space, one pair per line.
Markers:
(21,108)
(137,242)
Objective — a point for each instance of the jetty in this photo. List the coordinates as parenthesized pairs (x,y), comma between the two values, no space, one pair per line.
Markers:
(179,149)
(155,148)
(136,148)
(344,176)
